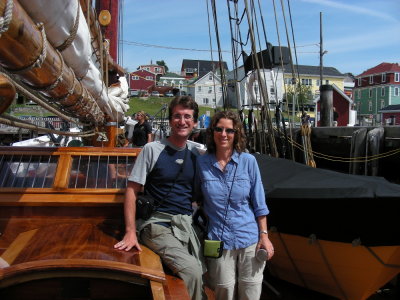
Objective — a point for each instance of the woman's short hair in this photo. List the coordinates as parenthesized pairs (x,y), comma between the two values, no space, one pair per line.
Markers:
(186,102)
(239,142)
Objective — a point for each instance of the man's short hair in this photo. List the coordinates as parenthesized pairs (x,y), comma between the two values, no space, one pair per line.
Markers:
(186,102)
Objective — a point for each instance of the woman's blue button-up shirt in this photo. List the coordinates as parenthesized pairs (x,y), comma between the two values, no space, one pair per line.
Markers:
(235,223)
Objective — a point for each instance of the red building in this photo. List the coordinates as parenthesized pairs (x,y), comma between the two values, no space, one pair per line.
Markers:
(391,115)
(156,69)
(343,105)
(141,80)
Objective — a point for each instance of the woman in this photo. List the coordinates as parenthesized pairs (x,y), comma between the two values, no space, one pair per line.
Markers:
(142,133)
(234,201)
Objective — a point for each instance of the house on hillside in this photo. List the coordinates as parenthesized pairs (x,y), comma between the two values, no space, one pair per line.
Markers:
(391,115)
(343,105)
(141,80)
(207,90)
(192,68)
(156,69)
(174,80)
(375,89)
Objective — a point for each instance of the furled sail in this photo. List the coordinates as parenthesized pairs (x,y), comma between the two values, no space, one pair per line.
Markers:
(57,58)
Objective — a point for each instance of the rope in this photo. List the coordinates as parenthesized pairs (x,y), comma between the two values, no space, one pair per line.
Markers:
(223,79)
(211,52)
(11,121)
(38,99)
(346,159)
(72,33)
(380,260)
(55,83)
(42,56)
(328,265)
(6,20)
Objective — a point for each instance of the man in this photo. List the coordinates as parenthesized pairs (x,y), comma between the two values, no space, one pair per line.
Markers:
(166,169)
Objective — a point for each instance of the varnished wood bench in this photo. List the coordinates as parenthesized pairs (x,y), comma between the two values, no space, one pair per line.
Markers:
(59,237)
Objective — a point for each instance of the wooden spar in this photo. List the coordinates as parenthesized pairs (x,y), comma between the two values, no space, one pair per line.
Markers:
(25,52)
(7,93)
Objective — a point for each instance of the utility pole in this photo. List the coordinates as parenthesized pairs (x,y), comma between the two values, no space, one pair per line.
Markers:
(321,50)
(325,91)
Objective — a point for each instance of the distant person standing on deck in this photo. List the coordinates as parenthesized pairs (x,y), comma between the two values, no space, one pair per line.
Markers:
(228,182)
(142,133)
(335,117)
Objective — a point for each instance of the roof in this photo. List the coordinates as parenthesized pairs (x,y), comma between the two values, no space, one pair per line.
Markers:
(313,70)
(381,68)
(143,71)
(391,108)
(172,75)
(339,91)
(205,75)
(203,66)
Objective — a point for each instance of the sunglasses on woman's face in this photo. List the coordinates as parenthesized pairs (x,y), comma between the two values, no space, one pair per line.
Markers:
(227,130)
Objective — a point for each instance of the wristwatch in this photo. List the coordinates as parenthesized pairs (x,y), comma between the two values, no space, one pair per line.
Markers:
(264,231)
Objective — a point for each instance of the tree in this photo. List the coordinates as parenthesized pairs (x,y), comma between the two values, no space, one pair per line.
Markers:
(303,94)
(162,63)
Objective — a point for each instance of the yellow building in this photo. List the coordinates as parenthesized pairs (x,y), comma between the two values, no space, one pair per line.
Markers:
(310,76)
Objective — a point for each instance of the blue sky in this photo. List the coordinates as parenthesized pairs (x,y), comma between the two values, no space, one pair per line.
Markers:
(358,34)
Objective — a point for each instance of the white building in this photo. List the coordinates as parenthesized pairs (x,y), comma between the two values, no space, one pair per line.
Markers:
(207,90)
(174,80)
(249,87)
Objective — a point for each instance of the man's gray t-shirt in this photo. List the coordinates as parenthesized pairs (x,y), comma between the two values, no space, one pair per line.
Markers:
(158,166)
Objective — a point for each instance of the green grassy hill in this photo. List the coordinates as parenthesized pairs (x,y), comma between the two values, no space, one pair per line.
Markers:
(152,105)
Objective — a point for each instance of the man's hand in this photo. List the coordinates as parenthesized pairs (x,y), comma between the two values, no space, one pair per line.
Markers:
(128,242)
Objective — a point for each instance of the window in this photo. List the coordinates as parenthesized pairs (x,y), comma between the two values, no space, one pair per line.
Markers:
(220,89)
(134,77)
(359,94)
(371,79)
(382,91)
(272,91)
(27,171)
(214,101)
(205,100)
(327,81)
(396,91)
(149,77)
(189,70)
(306,81)
(382,103)
(199,88)
(147,68)
(100,171)
(383,77)
(210,77)
(369,105)
(370,93)
(358,106)
(210,89)
(359,81)
(318,82)
(396,77)
(156,69)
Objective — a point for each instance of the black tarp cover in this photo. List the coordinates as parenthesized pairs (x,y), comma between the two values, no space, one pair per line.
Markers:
(332,206)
